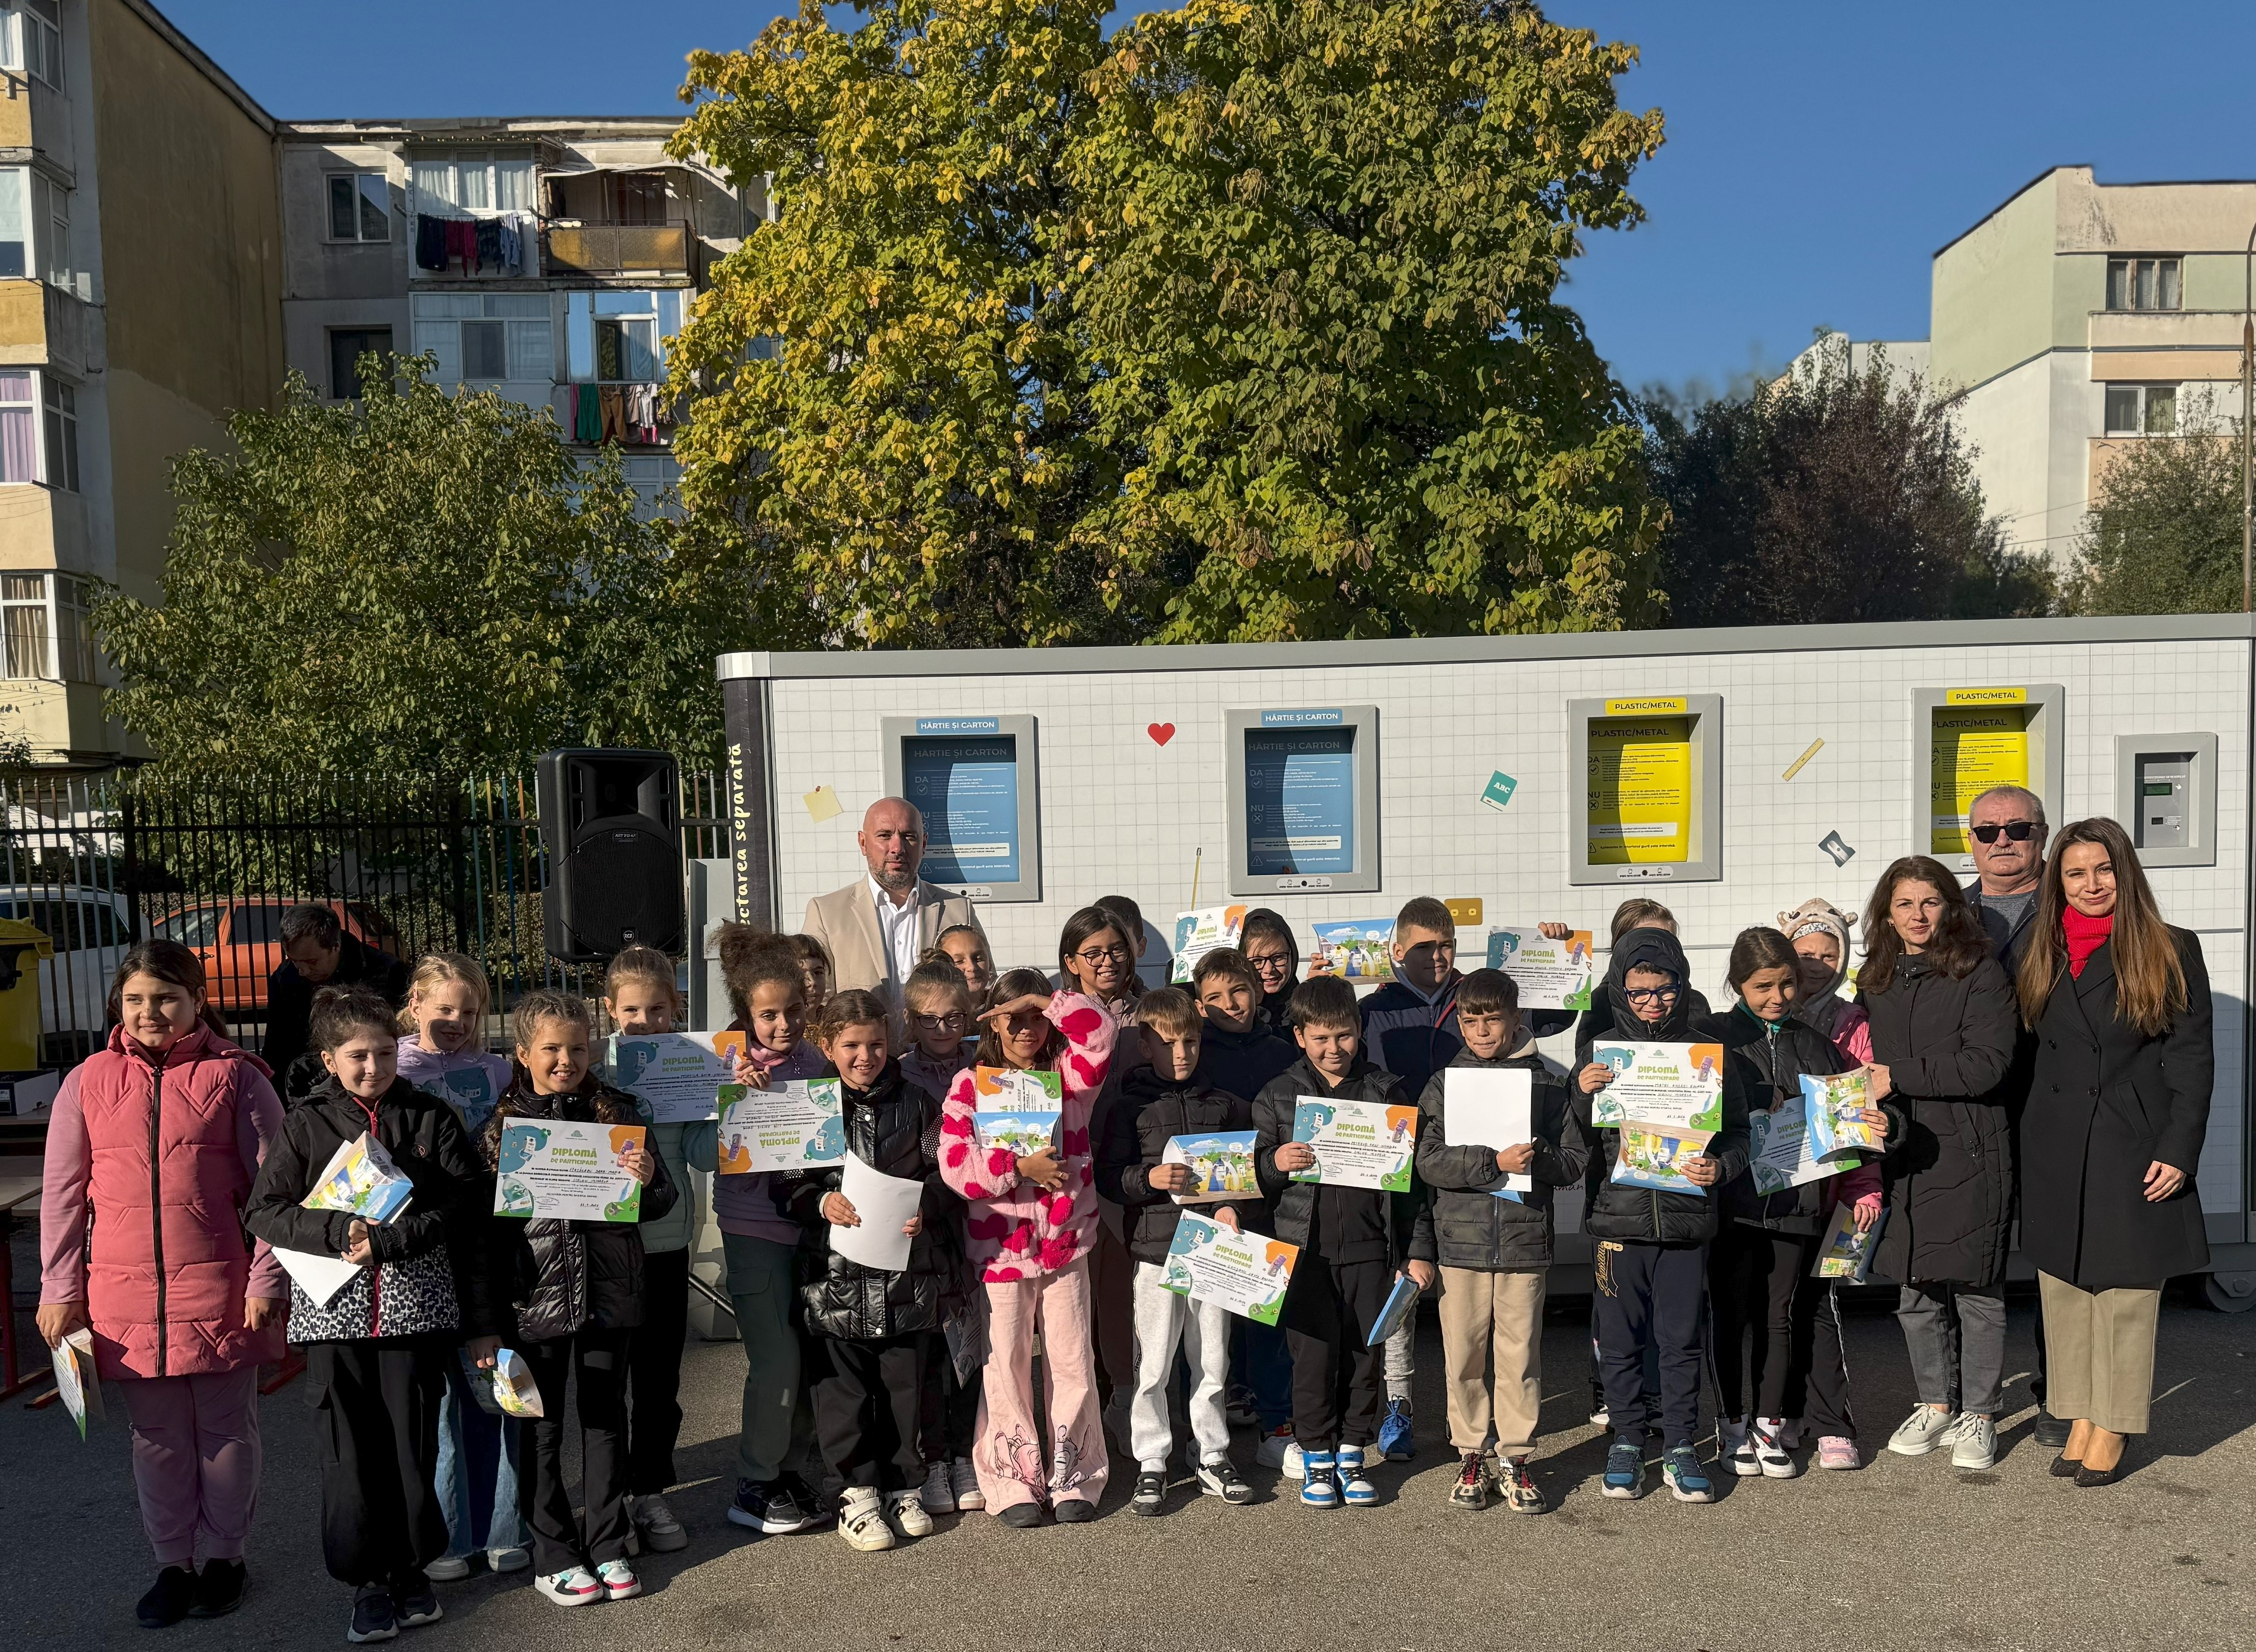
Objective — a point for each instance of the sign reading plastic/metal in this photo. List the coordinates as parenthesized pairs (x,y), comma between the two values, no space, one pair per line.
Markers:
(1639,806)
(1981,739)
(972,778)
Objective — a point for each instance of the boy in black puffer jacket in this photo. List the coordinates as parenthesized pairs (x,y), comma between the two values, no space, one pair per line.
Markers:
(1159,1101)
(1494,1246)
(871,1327)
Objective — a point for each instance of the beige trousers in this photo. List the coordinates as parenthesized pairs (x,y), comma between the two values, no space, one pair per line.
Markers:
(1493,1316)
(2099,1348)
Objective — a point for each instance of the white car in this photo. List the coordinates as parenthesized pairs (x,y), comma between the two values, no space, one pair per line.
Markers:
(91,929)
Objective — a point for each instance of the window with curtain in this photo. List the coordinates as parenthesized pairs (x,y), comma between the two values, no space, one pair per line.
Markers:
(2142,284)
(620,338)
(31,39)
(23,624)
(15,222)
(19,431)
(2142,410)
(487,336)
(470,181)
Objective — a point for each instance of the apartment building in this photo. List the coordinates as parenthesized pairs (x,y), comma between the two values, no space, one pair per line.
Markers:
(552,260)
(140,286)
(2075,319)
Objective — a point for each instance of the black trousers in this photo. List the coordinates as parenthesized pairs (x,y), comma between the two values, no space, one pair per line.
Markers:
(1649,1295)
(868,1399)
(654,1372)
(377,1412)
(1776,1329)
(1339,1386)
(951,1412)
(595,1362)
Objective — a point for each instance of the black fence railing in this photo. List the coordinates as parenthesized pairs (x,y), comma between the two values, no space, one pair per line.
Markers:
(414,864)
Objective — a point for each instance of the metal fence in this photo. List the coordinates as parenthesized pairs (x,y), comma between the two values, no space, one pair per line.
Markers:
(413,863)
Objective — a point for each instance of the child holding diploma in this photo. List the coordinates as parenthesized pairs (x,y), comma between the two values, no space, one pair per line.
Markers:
(1495,1252)
(872,1324)
(1759,1268)
(1159,1101)
(567,1296)
(768,991)
(1355,1242)
(376,1351)
(1028,1231)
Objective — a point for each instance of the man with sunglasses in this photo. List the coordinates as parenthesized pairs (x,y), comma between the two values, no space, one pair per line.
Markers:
(2005,833)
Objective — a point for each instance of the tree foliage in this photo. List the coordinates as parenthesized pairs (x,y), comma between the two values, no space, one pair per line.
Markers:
(1830,496)
(1242,325)
(417,581)
(2164,534)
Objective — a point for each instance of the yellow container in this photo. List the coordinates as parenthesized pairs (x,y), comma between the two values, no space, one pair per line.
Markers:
(22,946)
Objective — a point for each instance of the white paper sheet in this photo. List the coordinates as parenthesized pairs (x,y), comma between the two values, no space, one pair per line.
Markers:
(884,1204)
(1490,1107)
(319,1277)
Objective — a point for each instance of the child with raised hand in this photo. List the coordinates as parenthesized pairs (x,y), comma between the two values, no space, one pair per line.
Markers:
(875,1324)
(1355,1243)
(1028,1231)
(965,949)
(169,1112)
(567,1296)
(1650,1263)
(768,992)
(442,1051)
(641,996)
(1759,1286)
(1494,1248)
(378,1352)
(1160,1100)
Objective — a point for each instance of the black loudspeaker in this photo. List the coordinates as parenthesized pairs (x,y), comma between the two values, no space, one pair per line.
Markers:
(610,826)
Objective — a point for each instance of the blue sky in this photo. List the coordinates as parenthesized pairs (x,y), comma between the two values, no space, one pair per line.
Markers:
(1818,153)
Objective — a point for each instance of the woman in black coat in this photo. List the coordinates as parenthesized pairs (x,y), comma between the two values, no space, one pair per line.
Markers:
(1942,1028)
(2116,1112)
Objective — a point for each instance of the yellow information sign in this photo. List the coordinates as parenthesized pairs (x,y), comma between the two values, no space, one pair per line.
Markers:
(1975,748)
(1639,796)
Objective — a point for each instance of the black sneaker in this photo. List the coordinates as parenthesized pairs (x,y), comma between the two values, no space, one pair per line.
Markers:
(1151,1492)
(768,1506)
(219,1588)
(1071,1511)
(1472,1487)
(1222,1480)
(372,1618)
(414,1604)
(1020,1514)
(170,1599)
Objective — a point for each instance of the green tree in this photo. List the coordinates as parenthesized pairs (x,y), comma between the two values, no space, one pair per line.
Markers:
(417,581)
(1827,496)
(2164,534)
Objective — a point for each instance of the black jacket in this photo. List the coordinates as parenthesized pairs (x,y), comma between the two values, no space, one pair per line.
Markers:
(2007,942)
(289,1008)
(2107,1102)
(1149,1110)
(893,1128)
(1948,1045)
(1243,1063)
(1339,1224)
(547,1279)
(1771,1062)
(428,1145)
(1471,1227)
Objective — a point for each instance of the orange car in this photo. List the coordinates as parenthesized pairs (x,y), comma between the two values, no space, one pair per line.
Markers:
(240,942)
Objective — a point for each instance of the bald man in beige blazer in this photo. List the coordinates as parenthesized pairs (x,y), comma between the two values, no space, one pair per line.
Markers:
(877,927)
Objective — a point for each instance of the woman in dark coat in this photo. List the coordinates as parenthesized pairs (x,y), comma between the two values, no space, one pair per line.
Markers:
(2118,1109)
(1943,1026)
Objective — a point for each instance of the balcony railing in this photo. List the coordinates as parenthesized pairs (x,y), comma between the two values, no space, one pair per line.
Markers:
(615,249)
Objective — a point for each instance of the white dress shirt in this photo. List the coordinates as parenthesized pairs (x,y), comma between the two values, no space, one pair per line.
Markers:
(899,926)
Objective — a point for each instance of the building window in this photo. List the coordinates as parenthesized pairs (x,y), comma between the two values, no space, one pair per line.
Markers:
(2142,410)
(347,346)
(620,338)
(2142,284)
(34,226)
(43,628)
(19,427)
(360,206)
(24,396)
(63,433)
(31,39)
(487,337)
(473,181)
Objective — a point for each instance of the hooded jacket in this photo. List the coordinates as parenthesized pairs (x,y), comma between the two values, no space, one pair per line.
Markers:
(1341,1225)
(1150,1109)
(1243,1063)
(1471,1227)
(1410,1035)
(1825,1010)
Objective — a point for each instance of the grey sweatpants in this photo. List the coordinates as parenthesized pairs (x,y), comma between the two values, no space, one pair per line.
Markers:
(1957,1337)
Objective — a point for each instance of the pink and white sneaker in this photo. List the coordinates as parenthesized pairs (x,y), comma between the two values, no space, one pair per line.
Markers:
(1838,1451)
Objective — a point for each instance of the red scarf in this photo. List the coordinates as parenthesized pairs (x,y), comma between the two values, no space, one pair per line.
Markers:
(2084,936)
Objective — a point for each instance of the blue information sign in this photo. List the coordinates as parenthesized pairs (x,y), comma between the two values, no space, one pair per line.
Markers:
(1300,800)
(968,793)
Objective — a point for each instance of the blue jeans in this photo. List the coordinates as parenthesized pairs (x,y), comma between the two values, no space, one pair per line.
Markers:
(477,1465)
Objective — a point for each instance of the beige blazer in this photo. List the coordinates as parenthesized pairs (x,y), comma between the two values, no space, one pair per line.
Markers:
(845,921)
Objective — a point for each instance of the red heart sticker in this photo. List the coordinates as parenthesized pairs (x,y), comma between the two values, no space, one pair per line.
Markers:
(1160,732)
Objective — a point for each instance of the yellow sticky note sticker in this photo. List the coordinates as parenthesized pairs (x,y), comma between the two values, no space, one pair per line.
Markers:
(1464,911)
(1986,697)
(1652,705)
(822,804)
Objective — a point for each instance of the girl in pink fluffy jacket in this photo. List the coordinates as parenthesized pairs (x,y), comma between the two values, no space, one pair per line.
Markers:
(1028,1231)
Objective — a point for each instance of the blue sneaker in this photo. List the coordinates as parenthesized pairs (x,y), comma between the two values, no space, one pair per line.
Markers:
(1356,1490)
(1395,1444)
(1319,1481)
(1688,1481)
(1625,1470)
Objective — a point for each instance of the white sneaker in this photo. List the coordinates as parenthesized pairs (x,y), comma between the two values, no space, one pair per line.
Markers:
(449,1568)
(1294,1464)
(939,1493)
(501,1560)
(1974,1442)
(907,1511)
(861,1520)
(619,1580)
(963,1480)
(573,1586)
(1276,1448)
(1920,1432)
(1735,1449)
(1767,1438)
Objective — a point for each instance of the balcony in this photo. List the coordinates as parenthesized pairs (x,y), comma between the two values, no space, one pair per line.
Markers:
(2171,346)
(615,249)
(42,326)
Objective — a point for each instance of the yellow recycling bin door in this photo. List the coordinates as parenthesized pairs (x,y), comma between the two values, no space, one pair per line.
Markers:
(22,946)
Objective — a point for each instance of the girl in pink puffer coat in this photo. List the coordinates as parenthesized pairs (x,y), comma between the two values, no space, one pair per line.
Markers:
(154,1142)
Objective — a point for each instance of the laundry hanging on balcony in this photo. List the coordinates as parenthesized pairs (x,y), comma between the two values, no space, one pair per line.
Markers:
(484,246)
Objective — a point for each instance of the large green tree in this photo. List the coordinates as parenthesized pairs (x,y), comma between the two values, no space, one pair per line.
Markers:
(1241,324)
(416,581)
(2164,534)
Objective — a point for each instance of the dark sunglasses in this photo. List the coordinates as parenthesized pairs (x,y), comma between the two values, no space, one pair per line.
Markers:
(2020,830)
